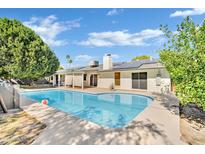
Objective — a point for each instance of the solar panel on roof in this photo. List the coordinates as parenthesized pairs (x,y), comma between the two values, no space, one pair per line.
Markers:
(134,64)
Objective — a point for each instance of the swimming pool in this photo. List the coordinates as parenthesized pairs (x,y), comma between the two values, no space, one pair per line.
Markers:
(112,110)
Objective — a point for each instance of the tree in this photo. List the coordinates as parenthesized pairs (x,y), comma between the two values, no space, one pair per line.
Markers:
(69,60)
(60,68)
(23,54)
(142,57)
(184,57)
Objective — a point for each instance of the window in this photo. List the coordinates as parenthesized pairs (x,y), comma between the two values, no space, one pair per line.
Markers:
(84,77)
(139,80)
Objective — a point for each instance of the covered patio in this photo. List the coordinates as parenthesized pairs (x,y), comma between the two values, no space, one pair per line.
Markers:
(69,78)
(75,78)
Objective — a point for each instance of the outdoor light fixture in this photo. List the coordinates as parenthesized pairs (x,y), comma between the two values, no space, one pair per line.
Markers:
(158,79)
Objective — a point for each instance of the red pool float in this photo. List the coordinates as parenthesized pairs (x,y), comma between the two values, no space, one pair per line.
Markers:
(44,102)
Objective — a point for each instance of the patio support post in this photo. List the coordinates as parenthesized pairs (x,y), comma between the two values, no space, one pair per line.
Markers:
(82,85)
(59,80)
(54,80)
(73,81)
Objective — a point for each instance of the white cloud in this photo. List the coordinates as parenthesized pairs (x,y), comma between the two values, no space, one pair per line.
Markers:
(84,58)
(160,41)
(121,38)
(115,56)
(114,12)
(49,28)
(190,12)
(114,22)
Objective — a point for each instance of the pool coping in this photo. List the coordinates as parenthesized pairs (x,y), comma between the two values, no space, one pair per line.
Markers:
(92,93)
(144,119)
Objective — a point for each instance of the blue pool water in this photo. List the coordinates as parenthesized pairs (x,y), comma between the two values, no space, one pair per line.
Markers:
(112,110)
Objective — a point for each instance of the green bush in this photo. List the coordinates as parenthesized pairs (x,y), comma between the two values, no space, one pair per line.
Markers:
(184,57)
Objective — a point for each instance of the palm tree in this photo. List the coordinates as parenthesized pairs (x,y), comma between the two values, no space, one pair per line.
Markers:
(69,60)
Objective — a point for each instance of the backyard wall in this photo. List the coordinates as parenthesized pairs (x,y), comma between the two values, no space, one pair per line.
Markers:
(7,97)
(10,96)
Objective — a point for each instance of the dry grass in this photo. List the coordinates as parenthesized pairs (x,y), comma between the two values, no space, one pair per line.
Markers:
(19,128)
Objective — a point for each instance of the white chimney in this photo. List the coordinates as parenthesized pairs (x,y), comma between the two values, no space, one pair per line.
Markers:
(107,62)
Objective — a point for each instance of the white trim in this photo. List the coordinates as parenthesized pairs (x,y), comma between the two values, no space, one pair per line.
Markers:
(82,86)
(59,80)
(73,80)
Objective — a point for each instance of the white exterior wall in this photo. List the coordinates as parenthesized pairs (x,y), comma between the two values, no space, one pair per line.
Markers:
(125,80)
(68,80)
(105,79)
(151,80)
(78,80)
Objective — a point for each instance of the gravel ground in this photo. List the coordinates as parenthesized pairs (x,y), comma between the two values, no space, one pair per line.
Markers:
(192,124)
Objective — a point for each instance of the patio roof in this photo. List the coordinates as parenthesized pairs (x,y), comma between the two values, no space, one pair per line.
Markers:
(70,71)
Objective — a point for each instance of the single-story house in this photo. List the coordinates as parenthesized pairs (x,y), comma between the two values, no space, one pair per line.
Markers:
(147,75)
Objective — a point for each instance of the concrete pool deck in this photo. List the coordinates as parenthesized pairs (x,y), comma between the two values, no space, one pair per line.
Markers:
(157,124)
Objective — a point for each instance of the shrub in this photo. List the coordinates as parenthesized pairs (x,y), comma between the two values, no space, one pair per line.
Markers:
(184,57)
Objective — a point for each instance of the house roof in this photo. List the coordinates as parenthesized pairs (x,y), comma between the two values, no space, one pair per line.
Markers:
(116,66)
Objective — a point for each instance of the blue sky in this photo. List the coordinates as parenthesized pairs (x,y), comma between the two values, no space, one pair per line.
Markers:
(88,34)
